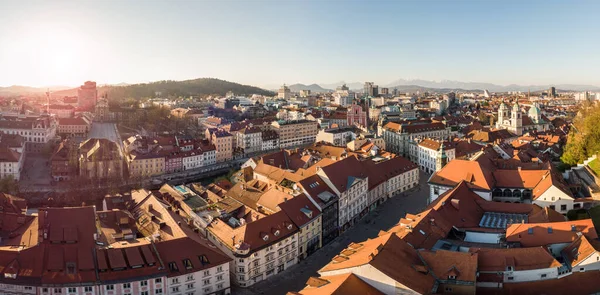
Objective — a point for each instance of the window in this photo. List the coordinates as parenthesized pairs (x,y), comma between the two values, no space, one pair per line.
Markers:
(144,293)
(110,287)
(72,290)
(173,266)
(190,286)
(511,278)
(206,282)
(509,268)
(219,269)
(241,278)
(241,269)
(543,276)
(45,290)
(207,273)
(158,291)
(144,283)
(127,286)
(57,290)
(582,269)
(175,281)
(188,264)
(87,289)
(175,289)
(158,280)
(563,207)
(448,289)
(219,277)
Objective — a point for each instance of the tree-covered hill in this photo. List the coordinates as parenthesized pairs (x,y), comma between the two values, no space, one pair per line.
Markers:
(200,87)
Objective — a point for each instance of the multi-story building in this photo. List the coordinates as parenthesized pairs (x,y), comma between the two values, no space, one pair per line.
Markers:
(87,95)
(398,138)
(63,161)
(223,142)
(284,92)
(37,131)
(337,136)
(427,153)
(173,161)
(209,154)
(100,158)
(102,112)
(541,185)
(370,89)
(388,178)
(73,127)
(11,162)
(307,217)
(326,201)
(192,159)
(351,188)
(145,165)
(260,246)
(269,140)
(295,133)
(62,110)
(81,251)
(249,140)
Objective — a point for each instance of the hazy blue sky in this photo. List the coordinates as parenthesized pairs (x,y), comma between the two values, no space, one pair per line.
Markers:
(273,42)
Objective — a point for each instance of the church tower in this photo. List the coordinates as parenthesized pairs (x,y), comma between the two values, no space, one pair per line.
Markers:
(502,115)
(441,159)
(516,120)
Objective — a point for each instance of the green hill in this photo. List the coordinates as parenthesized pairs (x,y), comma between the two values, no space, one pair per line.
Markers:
(196,87)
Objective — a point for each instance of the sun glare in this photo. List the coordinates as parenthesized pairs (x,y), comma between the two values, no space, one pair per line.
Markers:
(58,53)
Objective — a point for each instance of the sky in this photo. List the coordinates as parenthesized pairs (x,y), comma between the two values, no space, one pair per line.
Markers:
(49,43)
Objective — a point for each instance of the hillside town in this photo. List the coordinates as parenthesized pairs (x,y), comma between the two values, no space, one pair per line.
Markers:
(259,194)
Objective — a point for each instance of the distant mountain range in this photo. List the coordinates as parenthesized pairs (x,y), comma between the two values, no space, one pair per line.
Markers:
(311,87)
(404,85)
(449,84)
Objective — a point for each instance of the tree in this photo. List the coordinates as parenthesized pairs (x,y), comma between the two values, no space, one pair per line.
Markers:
(584,138)
(9,185)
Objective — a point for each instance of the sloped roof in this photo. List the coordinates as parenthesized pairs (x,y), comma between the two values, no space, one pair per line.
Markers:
(543,234)
(342,284)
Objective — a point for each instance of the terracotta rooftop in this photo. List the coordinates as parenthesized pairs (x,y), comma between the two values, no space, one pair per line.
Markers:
(343,284)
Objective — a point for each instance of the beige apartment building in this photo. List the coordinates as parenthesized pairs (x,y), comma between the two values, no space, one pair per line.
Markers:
(294,133)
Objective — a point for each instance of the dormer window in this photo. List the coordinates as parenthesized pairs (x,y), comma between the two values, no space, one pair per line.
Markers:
(509,268)
(452,277)
(188,264)
(265,238)
(276,233)
(289,227)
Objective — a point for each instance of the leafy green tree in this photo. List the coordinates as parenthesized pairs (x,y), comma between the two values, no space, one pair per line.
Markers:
(584,138)
(9,185)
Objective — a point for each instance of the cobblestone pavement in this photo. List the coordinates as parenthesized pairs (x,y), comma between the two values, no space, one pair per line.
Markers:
(384,217)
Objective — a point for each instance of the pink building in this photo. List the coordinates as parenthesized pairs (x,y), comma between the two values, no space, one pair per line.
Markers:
(357,115)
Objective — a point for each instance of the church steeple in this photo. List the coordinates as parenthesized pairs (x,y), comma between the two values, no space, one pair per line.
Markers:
(441,158)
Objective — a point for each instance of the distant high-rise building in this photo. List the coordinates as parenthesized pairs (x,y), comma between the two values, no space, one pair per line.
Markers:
(371,89)
(342,88)
(552,92)
(284,92)
(87,95)
(395,91)
(305,93)
(384,91)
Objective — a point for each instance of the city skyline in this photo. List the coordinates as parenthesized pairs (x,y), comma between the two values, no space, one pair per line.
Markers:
(270,43)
